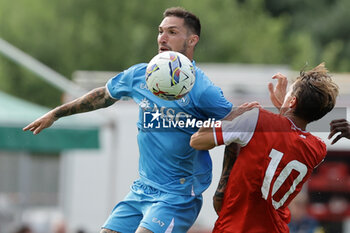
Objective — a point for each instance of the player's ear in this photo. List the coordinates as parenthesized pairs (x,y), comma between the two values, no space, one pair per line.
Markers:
(193,40)
(293,102)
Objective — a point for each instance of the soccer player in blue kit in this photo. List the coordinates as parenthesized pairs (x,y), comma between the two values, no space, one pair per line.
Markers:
(168,195)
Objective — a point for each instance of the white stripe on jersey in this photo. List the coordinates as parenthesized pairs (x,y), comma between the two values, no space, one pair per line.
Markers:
(241,129)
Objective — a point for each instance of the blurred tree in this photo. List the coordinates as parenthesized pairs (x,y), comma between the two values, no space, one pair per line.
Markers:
(113,35)
(23,23)
(234,32)
(325,22)
(71,35)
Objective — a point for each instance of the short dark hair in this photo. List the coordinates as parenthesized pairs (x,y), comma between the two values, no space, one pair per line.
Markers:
(191,20)
(316,93)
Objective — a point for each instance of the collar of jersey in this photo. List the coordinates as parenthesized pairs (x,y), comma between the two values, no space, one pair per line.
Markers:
(303,131)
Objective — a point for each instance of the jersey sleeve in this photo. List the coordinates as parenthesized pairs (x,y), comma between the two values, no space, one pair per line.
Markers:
(240,130)
(121,85)
(214,104)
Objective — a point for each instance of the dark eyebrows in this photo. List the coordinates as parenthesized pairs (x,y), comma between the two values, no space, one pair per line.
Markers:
(168,28)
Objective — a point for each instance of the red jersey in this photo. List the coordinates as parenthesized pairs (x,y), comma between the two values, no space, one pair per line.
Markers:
(268,173)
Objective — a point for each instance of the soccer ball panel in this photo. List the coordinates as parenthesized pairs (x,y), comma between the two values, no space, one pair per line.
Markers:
(170,75)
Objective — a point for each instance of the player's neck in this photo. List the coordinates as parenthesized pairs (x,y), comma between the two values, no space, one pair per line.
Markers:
(299,122)
(190,56)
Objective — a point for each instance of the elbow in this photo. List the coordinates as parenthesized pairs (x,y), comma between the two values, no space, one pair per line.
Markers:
(197,143)
(198,146)
(194,142)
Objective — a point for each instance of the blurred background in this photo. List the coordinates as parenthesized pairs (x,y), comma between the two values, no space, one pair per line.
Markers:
(68,178)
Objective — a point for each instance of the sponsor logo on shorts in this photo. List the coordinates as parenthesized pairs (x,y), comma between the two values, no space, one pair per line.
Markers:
(159,222)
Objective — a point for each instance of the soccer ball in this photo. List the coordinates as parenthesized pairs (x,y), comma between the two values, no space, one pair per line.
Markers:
(170,75)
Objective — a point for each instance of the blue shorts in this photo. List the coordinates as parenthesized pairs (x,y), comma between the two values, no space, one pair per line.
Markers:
(154,210)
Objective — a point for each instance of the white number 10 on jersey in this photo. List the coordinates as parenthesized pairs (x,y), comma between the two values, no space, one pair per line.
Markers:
(276,157)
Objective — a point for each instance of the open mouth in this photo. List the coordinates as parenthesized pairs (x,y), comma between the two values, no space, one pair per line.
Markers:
(163,49)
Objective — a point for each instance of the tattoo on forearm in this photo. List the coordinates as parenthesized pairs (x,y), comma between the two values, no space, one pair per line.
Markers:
(93,100)
(230,156)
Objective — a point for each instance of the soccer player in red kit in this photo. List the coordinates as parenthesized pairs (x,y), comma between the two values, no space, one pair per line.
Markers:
(276,158)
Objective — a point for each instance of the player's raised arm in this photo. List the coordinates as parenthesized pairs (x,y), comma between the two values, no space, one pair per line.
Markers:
(95,99)
(203,139)
(242,109)
(278,92)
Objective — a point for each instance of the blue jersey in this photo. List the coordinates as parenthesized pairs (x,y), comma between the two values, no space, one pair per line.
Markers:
(167,161)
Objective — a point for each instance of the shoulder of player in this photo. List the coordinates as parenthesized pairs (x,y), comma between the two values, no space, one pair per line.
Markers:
(318,141)
(272,122)
(136,71)
(268,120)
(140,67)
(315,147)
(271,115)
(203,85)
(201,76)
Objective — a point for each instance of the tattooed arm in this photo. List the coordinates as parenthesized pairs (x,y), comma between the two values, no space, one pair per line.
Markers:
(95,99)
(230,155)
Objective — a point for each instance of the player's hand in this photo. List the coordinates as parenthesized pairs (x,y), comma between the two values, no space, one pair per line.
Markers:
(342,126)
(41,123)
(217,203)
(242,109)
(278,92)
